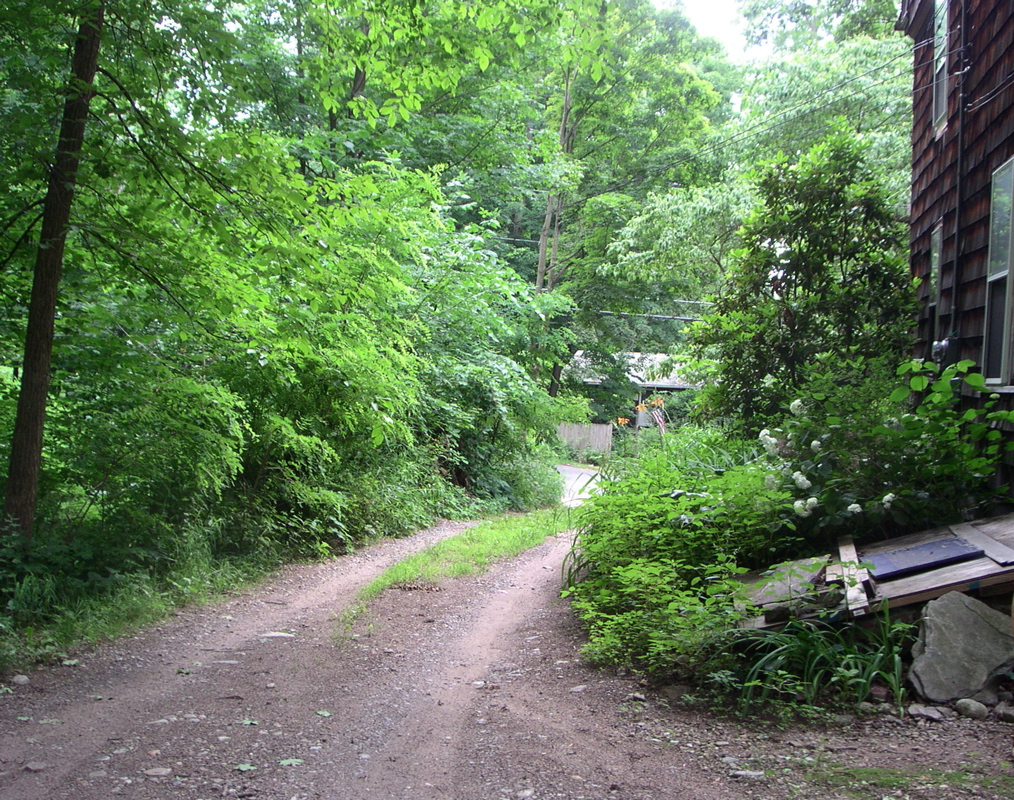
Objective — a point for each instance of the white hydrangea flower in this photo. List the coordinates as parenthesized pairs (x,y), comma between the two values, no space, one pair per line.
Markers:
(801,508)
(796,407)
(812,502)
(770,481)
(815,445)
(855,508)
(889,498)
(801,481)
(769,442)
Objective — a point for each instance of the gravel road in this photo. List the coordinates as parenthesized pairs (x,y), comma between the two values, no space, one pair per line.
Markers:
(475,691)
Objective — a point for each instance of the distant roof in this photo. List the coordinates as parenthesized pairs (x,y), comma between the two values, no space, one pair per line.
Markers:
(644,370)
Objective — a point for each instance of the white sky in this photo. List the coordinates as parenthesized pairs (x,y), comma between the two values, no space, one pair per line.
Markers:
(716,19)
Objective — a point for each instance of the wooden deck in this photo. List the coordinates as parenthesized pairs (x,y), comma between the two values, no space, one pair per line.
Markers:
(797,589)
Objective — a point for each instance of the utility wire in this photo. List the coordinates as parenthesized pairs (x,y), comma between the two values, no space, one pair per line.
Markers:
(647,316)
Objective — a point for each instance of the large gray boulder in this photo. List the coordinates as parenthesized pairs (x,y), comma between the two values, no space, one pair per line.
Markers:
(963,643)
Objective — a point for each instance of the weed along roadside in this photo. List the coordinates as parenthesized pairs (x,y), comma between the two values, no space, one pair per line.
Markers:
(813,571)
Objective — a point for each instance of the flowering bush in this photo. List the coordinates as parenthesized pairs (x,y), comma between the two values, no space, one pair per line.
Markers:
(653,568)
(917,460)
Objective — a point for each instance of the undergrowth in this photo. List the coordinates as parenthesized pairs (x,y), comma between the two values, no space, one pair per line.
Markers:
(653,573)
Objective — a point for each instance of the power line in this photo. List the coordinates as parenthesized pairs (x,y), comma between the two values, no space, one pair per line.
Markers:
(647,316)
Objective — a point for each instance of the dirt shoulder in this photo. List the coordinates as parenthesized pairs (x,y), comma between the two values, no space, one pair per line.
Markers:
(473,692)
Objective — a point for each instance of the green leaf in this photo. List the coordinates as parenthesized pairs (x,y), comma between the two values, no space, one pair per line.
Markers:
(899,394)
(976,380)
(245,767)
(291,762)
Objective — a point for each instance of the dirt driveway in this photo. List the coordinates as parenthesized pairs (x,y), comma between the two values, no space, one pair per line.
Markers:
(472,692)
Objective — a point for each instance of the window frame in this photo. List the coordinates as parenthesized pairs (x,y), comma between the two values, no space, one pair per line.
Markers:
(998,270)
(941,37)
(936,278)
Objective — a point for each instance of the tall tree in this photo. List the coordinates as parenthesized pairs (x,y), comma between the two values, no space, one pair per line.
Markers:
(181,193)
(800,24)
(822,273)
(26,440)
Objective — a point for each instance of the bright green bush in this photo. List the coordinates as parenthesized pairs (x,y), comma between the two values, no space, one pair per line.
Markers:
(652,569)
(659,615)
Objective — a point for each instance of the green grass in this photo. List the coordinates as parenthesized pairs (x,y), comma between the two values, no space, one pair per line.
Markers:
(861,779)
(473,551)
(468,553)
(139,601)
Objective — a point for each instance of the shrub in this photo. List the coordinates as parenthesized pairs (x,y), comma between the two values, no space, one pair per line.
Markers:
(659,615)
(823,272)
(653,567)
(914,459)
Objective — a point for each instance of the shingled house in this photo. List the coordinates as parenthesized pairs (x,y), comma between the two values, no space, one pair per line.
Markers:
(963,181)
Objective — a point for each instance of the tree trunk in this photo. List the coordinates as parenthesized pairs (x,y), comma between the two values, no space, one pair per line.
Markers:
(554,382)
(554,203)
(553,271)
(26,442)
(547,223)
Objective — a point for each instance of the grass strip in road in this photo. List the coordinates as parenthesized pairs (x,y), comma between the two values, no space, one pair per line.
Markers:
(472,551)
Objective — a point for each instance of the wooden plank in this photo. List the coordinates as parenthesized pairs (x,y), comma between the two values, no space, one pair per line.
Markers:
(969,576)
(847,550)
(851,579)
(921,558)
(1000,529)
(856,600)
(789,581)
(836,613)
(1000,553)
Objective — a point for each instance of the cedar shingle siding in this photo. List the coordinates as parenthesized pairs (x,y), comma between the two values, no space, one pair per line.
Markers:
(953,163)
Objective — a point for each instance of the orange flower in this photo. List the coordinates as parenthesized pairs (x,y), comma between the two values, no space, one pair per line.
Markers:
(622,420)
(641,406)
(658,401)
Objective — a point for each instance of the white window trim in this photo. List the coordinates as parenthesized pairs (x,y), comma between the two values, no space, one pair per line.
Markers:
(1004,173)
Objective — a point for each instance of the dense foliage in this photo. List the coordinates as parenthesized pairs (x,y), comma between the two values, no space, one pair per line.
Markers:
(805,427)
(822,275)
(280,275)
(653,573)
(305,292)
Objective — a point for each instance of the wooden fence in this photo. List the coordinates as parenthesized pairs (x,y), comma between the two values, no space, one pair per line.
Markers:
(587,438)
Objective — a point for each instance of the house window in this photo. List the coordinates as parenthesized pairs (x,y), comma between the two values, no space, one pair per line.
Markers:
(940,42)
(996,346)
(936,261)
